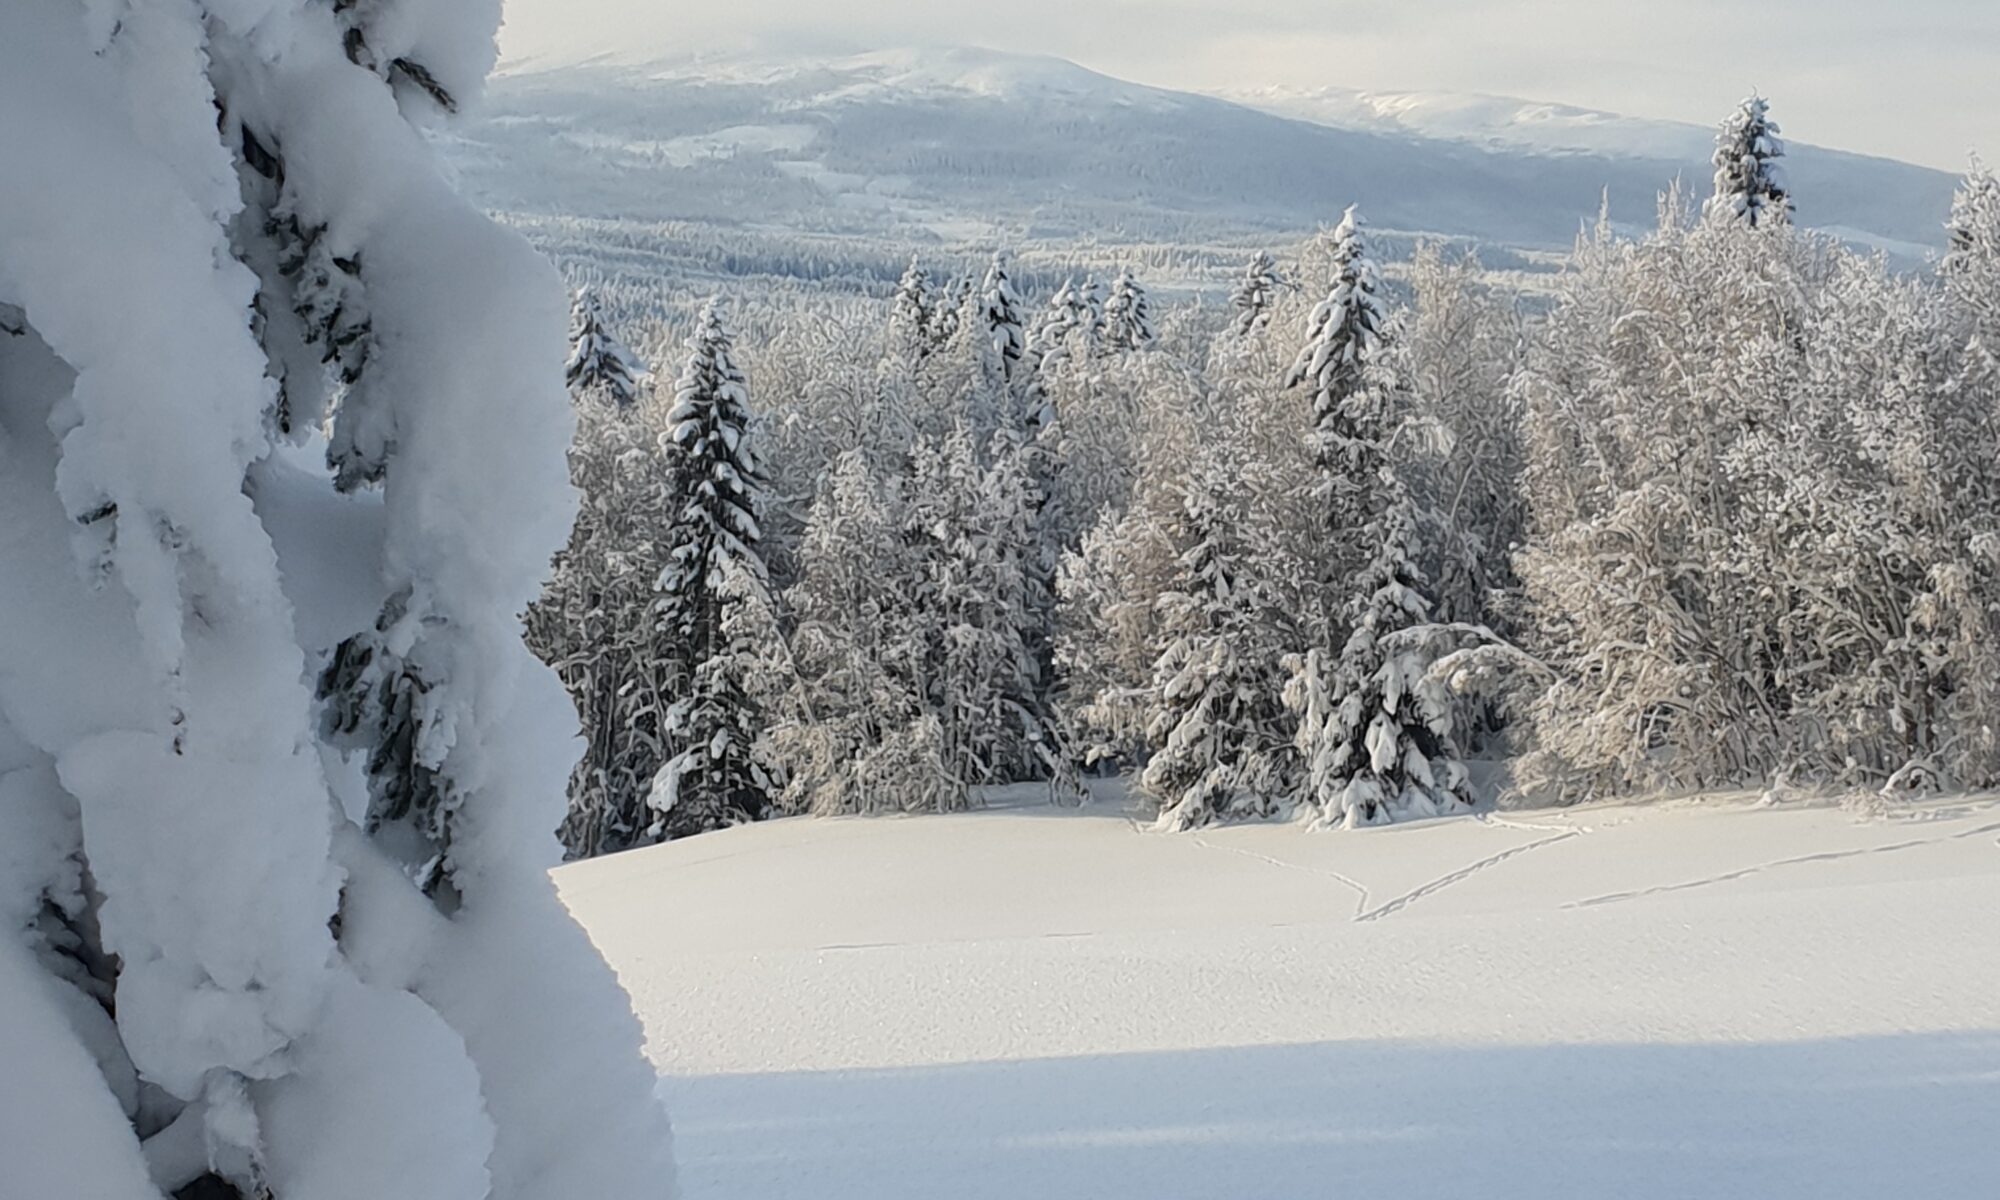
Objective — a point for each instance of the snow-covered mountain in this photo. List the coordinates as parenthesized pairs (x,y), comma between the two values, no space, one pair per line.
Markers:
(1498,122)
(963,145)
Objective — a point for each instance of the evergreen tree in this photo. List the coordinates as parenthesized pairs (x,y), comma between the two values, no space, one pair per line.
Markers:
(1749,180)
(599,364)
(1128,316)
(1000,321)
(1217,732)
(1343,336)
(1062,330)
(718,777)
(1375,729)
(1256,291)
(1091,297)
(914,314)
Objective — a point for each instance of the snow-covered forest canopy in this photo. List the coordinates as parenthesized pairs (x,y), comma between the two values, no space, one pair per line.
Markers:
(1714,510)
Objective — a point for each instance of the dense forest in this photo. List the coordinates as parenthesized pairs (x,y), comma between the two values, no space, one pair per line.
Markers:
(1716,510)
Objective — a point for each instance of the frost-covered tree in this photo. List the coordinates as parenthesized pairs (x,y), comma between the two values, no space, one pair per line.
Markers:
(914,314)
(1064,318)
(1255,293)
(1749,179)
(1128,316)
(1375,728)
(599,364)
(596,622)
(854,733)
(1218,734)
(261,941)
(1760,522)
(717,776)
(999,321)
(1342,338)
(1970,268)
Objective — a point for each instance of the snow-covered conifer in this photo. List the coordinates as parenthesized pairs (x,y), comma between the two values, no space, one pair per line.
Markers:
(1000,320)
(1218,733)
(1749,180)
(1337,361)
(599,364)
(283,944)
(716,776)
(1254,294)
(914,314)
(1128,316)
(1375,729)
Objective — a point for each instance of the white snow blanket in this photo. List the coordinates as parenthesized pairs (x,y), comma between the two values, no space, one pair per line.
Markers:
(1714,999)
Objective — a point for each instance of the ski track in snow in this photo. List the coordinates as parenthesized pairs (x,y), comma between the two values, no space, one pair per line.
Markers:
(1360,890)
(1462,874)
(1801,860)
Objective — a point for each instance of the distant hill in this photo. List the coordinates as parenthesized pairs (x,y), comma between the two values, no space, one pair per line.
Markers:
(963,145)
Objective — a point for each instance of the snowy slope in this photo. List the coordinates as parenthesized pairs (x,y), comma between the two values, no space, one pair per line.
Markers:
(921,144)
(1498,121)
(1685,1000)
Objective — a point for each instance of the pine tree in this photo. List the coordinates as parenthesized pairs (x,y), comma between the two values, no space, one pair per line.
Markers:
(1749,180)
(718,777)
(1255,293)
(1128,316)
(599,364)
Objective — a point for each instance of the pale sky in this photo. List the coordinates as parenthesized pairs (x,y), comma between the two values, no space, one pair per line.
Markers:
(1911,79)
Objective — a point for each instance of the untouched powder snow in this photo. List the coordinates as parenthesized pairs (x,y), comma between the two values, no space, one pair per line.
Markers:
(1714,999)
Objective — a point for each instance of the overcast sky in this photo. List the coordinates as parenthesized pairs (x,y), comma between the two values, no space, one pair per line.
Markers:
(1912,79)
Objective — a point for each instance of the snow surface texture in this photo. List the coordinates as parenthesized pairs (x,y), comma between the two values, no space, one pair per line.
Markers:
(949,143)
(207,967)
(1714,999)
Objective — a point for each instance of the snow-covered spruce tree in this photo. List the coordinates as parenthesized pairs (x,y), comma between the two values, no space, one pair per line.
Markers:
(718,775)
(1375,730)
(239,234)
(999,322)
(1219,736)
(1062,329)
(1091,297)
(1128,317)
(1375,735)
(1342,338)
(1254,295)
(914,314)
(599,364)
(1749,180)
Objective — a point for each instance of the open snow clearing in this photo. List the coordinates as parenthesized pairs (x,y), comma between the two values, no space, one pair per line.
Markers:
(1687,999)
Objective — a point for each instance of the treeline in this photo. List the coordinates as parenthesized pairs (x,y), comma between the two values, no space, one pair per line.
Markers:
(1721,515)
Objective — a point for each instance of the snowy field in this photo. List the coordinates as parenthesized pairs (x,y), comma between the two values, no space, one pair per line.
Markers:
(1673,1001)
